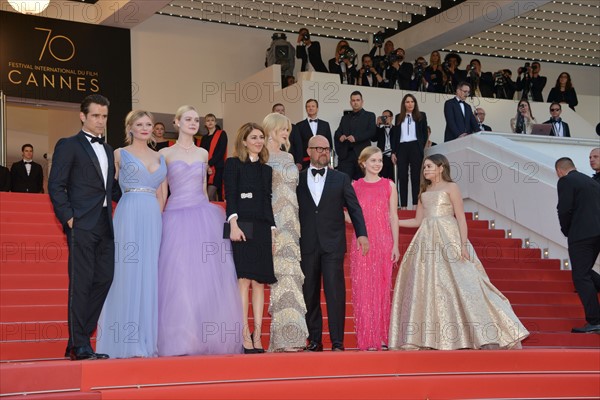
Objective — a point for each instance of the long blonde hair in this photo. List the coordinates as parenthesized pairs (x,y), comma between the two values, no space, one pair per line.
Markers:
(130,119)
(274,122)
(240,151)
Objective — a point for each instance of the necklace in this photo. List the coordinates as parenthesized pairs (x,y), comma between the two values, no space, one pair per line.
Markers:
(187,149)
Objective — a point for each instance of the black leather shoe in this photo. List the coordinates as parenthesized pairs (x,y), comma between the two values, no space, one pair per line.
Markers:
(338,347)
(249,351)
(587,328)
(82,353)
(68,351)
(99,356)
(314,346)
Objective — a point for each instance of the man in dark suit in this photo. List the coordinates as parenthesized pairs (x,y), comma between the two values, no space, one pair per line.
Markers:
(322,195)
(579,216)
(559,127)
(306,129)
(4,179)
(399,74)
(531,84)
(460,120)
(384,142)
(81,188)
(480,117)
(355,132)
(27,176)
(309,52)
(481,82)
(595,163)
(368,74)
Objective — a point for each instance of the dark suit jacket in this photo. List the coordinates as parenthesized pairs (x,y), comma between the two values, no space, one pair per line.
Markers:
(536,85)
(21,182)
(380,137)
(456,122)
(300,137)
(362,126)
(314,54)
(486,84)
(565,126)
(76,186)
(247,177)
(4,179)
(323,226)
(486,127)
(578,206)
(351,72)
(403,76)
(421,130)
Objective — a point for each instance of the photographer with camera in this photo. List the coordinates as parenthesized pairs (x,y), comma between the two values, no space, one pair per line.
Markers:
(383,139)
(399,73)
(368,75)
(343,63)
(453,74)
(381,61)
(530,82)
(481,82)
(309,52)
(419,83)
(523,122)
(504,86)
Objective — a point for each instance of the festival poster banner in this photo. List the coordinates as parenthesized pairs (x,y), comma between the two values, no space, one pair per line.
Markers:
(56,60)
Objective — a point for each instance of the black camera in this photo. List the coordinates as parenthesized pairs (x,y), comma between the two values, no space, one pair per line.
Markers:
(306,36)
(499,79)
(383,118)
(378,38)
(348,53)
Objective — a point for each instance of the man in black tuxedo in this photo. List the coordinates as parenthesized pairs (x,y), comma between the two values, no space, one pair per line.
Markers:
(480,117)
(27,176)
(81,188)
(306,129)
(559,127)
(355,132)
(384,142)
(460,120)
(579,216)
(322,195)
(309,52)
(368,74)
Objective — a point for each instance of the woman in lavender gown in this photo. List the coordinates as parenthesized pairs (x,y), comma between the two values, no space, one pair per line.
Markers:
(199,306)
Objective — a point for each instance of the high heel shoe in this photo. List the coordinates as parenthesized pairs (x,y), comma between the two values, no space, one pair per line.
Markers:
(258,350)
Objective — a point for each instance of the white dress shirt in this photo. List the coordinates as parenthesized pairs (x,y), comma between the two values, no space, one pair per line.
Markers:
(316,183)
(408,130)
(102,159)
(313,125)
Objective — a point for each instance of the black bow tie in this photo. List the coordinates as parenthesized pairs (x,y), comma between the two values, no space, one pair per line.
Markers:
(318,171)
(461,102)
(313,120)
(557,120)
(95,139)
(27,162)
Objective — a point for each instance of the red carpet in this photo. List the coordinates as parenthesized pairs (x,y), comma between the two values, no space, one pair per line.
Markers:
(33,294)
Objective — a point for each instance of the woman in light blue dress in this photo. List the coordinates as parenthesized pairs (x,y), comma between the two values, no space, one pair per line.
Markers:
(128,323)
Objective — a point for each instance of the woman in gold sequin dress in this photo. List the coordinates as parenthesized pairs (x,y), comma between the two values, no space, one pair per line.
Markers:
(443,299)
(287,307)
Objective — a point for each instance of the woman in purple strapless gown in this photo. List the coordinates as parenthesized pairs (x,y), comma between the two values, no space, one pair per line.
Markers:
(199,306)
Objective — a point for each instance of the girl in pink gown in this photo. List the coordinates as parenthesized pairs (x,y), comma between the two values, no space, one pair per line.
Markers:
(372,273)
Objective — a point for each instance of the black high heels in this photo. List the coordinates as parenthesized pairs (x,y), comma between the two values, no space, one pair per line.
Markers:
(257,350)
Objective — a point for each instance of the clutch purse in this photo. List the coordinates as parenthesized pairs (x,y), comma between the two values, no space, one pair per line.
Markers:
(246,227)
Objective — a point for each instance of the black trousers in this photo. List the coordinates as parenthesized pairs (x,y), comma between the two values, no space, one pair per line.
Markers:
(388,168)
(583,255)
(409,155)
(91,270)
(330,266)
(350,167)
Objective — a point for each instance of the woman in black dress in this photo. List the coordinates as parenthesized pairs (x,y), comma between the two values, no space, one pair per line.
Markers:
(250,214)
(215,142)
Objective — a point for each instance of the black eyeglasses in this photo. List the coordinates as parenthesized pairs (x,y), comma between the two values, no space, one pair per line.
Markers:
(555,109)
(321,149)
